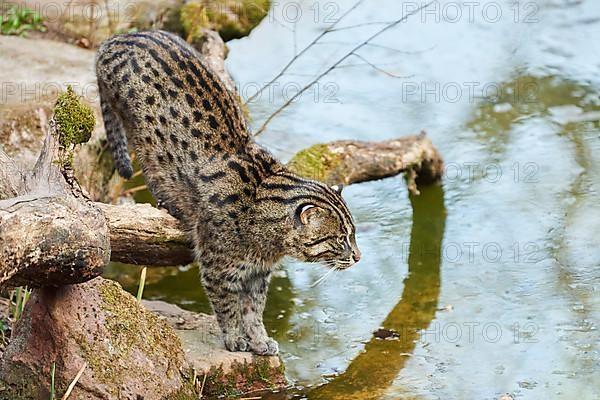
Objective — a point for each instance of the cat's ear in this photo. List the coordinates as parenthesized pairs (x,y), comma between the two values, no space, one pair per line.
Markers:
(337,188)
(306,211)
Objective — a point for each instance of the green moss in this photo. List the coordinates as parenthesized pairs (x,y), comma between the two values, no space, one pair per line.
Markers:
(75,119)
(233,19)
(130,324)
(316,162)
(244,378)
(75,122)
(129,327)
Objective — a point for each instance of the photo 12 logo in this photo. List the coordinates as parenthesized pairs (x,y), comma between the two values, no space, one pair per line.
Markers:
(474,11)
(454,92)
(254,92)
(292,12)
(473,252)
(471,332)
(73,11)
(38,92)
(491,172)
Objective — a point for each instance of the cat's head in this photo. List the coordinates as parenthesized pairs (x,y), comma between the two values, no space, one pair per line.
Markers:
(323,230)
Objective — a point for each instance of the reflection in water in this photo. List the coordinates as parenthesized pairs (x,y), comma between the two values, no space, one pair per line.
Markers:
(374,370)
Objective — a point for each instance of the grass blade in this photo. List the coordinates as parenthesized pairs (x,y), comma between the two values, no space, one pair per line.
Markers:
(142,283)
(52,395)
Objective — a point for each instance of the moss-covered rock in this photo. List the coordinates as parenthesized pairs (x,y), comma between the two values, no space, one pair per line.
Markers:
(219,372)
(233,19)
(128,351)
(242,378)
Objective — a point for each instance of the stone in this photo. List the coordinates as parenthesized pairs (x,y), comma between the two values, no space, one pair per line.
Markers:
(128,351)
(227,373)
(233,19)
(88,22)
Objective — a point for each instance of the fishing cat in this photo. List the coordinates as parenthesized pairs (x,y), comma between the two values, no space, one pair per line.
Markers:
(242,209)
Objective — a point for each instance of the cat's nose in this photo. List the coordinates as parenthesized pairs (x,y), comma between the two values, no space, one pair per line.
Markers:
(356,256)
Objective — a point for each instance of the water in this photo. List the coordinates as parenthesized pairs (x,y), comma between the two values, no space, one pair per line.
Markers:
(485,285)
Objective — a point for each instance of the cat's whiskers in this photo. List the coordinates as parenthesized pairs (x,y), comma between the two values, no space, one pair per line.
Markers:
(325,275)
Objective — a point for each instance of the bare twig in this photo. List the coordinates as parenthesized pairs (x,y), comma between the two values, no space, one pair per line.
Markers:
(395,50)
(338,62)
(375,45)
(345,28)
(304,50)
(378,68)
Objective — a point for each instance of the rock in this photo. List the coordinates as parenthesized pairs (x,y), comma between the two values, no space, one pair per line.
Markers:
(129,352)
(227,373)
(233,19)
(89,22)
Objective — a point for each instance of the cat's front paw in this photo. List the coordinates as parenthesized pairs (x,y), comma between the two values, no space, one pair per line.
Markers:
(264,346)
(236,343)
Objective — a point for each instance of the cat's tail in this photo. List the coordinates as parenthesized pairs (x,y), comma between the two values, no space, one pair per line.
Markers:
(115,134)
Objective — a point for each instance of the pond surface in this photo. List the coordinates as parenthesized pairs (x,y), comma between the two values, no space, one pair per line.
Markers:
(485,285)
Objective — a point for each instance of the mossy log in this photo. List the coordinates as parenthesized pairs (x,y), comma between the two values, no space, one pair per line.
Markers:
(350,161)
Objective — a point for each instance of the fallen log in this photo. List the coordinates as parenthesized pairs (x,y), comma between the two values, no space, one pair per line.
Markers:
(143,235)
(351,161)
